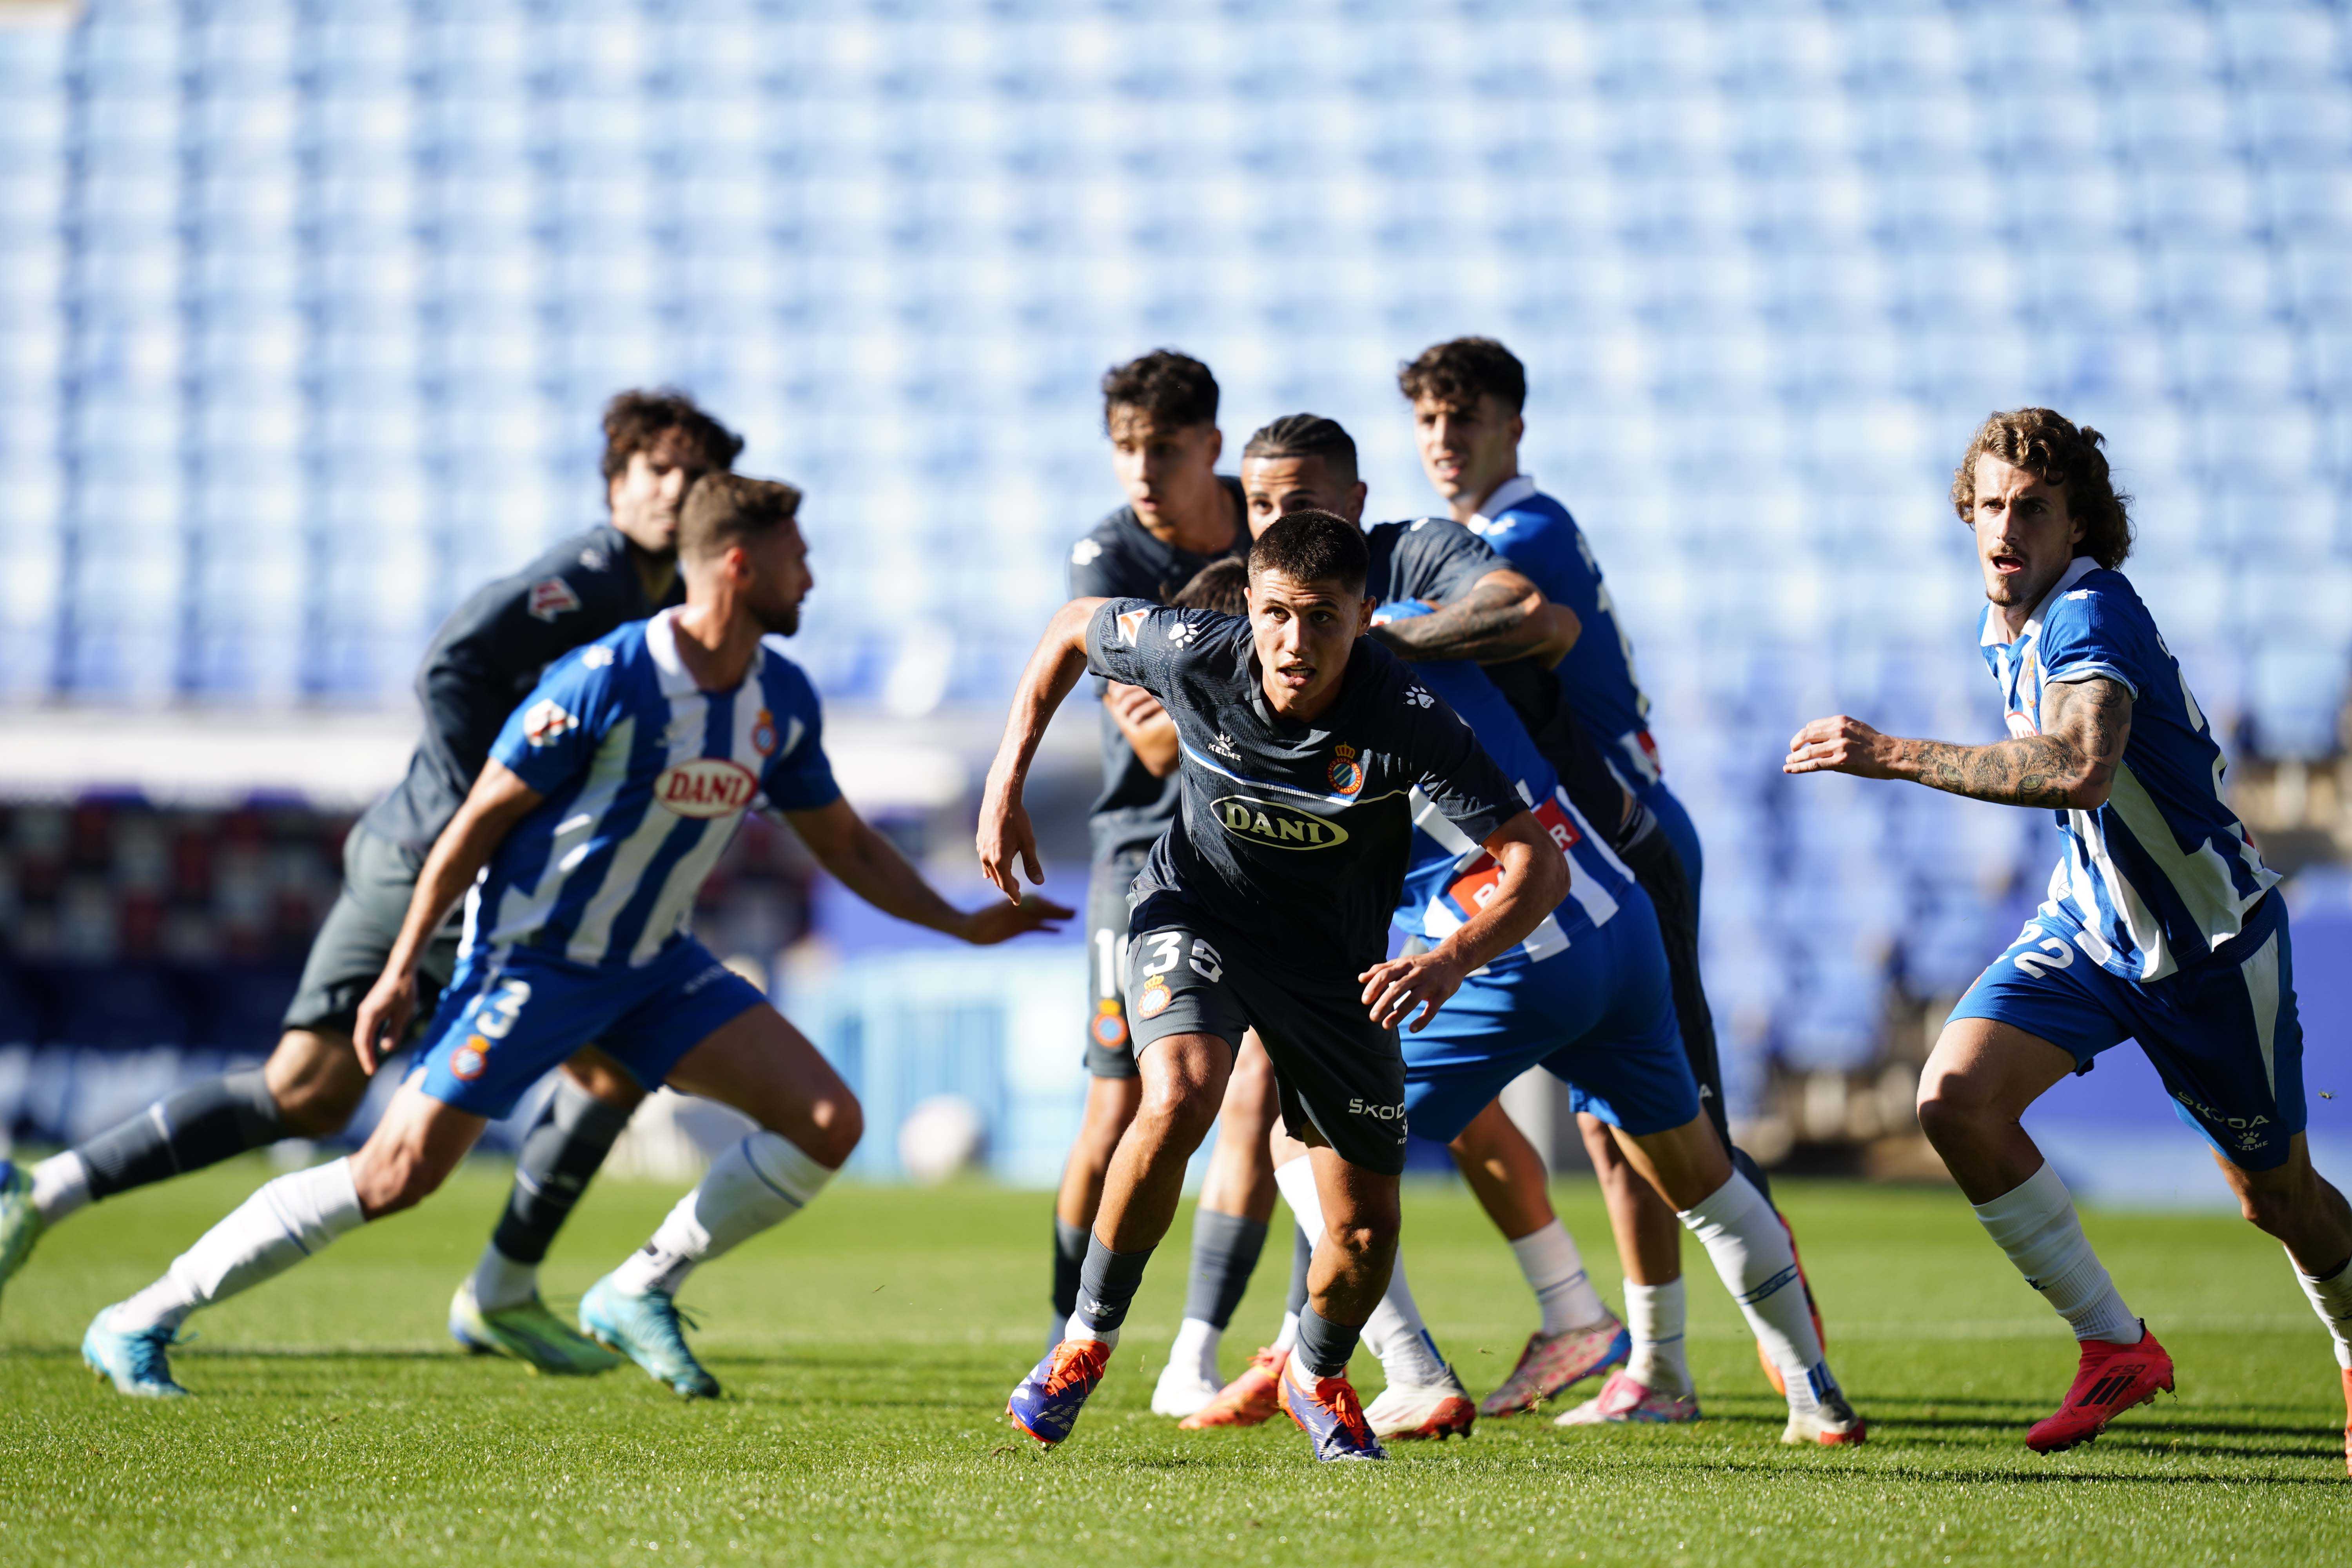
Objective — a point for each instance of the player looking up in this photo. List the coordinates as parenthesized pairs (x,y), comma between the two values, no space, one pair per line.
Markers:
(1161,412)
(605,801)
(489,653)
(2162,923)
(1468,397)
(1262,906)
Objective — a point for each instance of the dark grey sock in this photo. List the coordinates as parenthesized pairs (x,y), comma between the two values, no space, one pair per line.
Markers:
(1106,1285)
(1069,1256)
(1225,1249)
(194,1128)
(1325,1346)
(1302,1257)
(560,1153)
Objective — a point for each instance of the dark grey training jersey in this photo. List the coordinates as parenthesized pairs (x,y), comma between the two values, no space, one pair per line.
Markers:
(1292,835)
(1432,559)
(487,657)
(1122,559)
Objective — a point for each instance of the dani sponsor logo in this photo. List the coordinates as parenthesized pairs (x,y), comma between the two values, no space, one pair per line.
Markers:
(705,786)
(1276,827)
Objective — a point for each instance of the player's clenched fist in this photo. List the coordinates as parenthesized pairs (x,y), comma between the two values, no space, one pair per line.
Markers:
(1420,983)
(1839,745)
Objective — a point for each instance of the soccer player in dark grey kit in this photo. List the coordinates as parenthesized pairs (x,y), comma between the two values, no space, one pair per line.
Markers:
(1265,906)
(487,656)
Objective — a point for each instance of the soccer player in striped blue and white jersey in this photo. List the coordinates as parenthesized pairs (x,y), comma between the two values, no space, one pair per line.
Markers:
(2162,924)
(606,800)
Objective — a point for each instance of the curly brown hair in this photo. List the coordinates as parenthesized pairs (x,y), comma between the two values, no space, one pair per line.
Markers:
(1454,374)
(2057,451)
(1173,390)
(635,421)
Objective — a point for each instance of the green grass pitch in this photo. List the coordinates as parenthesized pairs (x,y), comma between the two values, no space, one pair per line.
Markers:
(868,1349)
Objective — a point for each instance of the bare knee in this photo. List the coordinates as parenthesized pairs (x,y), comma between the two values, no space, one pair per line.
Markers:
(1951,1106)
(1176,1107)
(389,1180)
(836,1121)
(316,1083)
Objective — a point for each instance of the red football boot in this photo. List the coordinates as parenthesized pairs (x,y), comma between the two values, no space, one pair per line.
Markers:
(2113,1378)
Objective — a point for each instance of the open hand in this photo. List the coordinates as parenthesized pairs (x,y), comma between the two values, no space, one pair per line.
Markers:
(1007,842)
(1837,746)
(383,1017)
(1002,922)
(1420,982)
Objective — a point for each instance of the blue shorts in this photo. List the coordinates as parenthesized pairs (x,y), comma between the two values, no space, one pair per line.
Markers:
(1600,1017)
(2222,1032)
(511,1015)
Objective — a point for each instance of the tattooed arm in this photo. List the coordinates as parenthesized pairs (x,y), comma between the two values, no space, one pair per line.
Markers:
(2068,767)
(1502,616)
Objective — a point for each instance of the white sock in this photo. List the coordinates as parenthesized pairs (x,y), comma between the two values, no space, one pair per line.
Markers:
(2034,1223)
(1751,1253)
(1296,1181)
(1196,1349)
(1555,1272)
(282,1223)
(500,1281)
(1288,1338)
(61,1185)
(1396,1334)
(2332,1299)
(759,1181)
(1654,1320)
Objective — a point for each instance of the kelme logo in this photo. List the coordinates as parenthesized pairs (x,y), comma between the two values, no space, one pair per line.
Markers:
(1276,827)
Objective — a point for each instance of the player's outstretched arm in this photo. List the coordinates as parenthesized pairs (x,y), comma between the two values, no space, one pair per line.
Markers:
(498,801)
(2068,767)
(1005,840)
(1533,880)
(870,866)
(1503,616)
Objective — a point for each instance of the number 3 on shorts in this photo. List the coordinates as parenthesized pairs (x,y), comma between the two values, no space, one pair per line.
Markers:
(1167,950)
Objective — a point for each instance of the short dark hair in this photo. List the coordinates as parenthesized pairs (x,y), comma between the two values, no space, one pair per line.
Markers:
(1454,374)
(1312,547)
(1307,435)
(1221,585)
(723,509)
(1169,388)
(636,420)
(2056,450)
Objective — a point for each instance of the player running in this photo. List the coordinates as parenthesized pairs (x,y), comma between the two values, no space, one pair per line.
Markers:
(1468,395)
(605,801)
(489,653)
(2162,923)
(1161,412)
(1262,906)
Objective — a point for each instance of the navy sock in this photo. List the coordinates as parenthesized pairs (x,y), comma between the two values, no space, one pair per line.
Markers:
(1106,1285)
(560,1153)
(1325,1346)
(1302,1258)
(1225,1249)
(194,1128)
(1069,1256)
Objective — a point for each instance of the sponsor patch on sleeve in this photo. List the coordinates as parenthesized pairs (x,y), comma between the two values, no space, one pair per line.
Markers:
(1131,625)
(550,597)
(544,722)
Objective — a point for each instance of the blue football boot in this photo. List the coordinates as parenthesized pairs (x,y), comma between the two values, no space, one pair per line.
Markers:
(1328,1411)
(20,1222)
(1046,1402)
(647,1329)
(136,1360)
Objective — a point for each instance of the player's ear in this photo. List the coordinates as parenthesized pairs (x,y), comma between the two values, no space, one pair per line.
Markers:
(1364,615)
(1216,445)
(1357,492)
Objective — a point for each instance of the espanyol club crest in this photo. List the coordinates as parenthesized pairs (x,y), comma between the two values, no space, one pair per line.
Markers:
(545,722)
(1347,773)
(1153,999)
(763,733)
(1109,1027)
(468,1062)
(705,786)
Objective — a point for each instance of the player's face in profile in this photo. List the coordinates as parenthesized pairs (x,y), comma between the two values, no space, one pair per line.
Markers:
(2025,537)
(1466,450)
(778,564)
(1304,632)
(645,496)
(1164,469)
(1276,486)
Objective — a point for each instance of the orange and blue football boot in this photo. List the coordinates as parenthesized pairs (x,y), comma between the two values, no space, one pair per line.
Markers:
(1252,1397)
(1763,1356)
(1328,1411)
(1047,1401)
(2111,1379)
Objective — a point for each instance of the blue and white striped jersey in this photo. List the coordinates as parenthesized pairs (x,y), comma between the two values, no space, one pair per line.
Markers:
(2164,872)
(646,777)
(1450,876)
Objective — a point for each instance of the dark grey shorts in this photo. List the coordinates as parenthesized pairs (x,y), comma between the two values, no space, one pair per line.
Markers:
(1109,1053)
(1337,1071)
(348,953)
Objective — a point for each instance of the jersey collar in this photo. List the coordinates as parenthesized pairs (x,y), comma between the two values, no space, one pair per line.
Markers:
(1507,494)
(2076,569)
(676,681)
